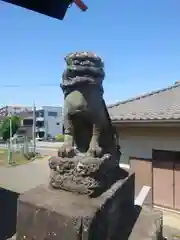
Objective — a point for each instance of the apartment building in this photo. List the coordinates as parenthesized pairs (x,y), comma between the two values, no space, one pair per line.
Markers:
(49,121)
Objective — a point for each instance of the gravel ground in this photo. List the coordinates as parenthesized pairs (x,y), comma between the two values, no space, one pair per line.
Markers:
(171,228)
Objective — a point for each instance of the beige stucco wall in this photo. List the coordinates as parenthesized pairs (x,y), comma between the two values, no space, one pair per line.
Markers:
(139,141)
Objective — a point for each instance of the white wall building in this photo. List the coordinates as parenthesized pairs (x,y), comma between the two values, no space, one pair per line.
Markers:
(149,137)
(14,109)
(49,121)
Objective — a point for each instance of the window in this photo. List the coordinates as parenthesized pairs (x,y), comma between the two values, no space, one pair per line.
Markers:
(21,131)
(28,122)
(52,114)
(40,113)
(40,124)
(41,134)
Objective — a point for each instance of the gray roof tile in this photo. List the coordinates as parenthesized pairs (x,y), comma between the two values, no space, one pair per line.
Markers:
(163,104)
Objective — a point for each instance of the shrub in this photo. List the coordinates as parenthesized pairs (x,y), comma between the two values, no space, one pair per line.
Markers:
(31,155)
(60,137)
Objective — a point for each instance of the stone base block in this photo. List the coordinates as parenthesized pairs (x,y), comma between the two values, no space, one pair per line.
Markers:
(45,213)
(8,213)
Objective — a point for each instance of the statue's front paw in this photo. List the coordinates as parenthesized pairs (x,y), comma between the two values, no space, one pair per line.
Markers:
(66,151)
(95,151)
(54,162)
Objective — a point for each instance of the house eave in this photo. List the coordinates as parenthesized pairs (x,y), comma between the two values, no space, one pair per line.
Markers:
(152,122)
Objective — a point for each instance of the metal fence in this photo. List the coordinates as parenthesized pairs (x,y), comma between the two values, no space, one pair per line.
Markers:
(22,145)
(18,150)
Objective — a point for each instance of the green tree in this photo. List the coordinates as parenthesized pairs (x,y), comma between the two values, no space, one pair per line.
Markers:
(5,126)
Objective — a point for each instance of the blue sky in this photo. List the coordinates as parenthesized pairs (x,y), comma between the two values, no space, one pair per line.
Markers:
(138,40)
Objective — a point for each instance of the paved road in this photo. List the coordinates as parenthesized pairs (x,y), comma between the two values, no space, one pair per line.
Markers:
(40,145)
(24,177)
(44,148)
(49,144)
(27,176)
(47,151)
(48,148)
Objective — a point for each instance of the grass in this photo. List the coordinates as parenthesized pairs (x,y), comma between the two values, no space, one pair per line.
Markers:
(17,158)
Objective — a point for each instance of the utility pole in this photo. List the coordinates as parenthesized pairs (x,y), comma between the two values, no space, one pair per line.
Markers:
(10,140)
(34,128)
(10,131)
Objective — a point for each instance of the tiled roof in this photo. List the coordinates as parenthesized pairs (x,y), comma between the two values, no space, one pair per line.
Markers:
(24,114)
(163,104)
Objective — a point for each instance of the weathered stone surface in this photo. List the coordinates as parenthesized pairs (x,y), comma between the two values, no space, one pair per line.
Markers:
(88,128)
(84,175)
(87,123)
(45,213)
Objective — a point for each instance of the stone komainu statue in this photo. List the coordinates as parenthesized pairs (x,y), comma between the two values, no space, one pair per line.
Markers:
(87,124)
(86,119)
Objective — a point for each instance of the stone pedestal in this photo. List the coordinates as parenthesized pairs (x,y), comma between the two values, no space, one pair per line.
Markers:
(44,213)
(8,212)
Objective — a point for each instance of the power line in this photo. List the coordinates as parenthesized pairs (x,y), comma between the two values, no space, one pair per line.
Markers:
(26,86)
